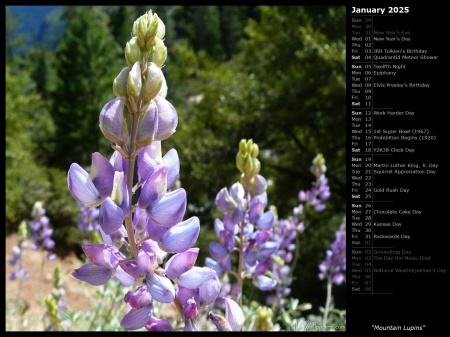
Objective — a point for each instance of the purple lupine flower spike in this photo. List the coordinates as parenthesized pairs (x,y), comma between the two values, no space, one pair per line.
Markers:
(334,266)
(138,237)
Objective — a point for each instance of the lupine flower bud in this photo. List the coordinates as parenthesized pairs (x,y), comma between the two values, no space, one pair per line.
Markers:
(38,210)
(209,291)
(112,121)
(151,32)
(246,160)
(234,314)
(163,91)
(167,118)
(148,126)
(258,185)
(158,53)
(152,83)
(146,27)
(318,167)
(133,52)
(120,82)
(220,322)
(190,309)
(134,85)
(161,28)
(158,123)
(254,151)
(22,231)
(318,160)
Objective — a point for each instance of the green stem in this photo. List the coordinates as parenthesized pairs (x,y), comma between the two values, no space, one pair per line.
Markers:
(19,302)
(111,307)
(327,304)
(240,275)
(240,279)
(95,316)
(42,282)
(130,172)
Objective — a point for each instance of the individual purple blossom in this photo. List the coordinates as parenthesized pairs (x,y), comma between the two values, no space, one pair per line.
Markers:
(91,189)
(141,303)
(104,259)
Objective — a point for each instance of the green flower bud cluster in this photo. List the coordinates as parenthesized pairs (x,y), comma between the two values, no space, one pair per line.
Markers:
(246,160)
(52,312)
(38,209)
(145,54)
(263,320)
(55,305)
(318,165)
(147,28)
(57,280)
(22,231)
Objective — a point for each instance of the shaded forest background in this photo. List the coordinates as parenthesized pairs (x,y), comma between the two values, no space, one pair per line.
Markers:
(272,74)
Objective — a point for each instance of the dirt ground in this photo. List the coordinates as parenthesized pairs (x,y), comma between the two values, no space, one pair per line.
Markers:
(24,299)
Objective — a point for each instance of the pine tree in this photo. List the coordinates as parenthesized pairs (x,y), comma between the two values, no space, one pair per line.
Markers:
(200,25)
(85,76)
